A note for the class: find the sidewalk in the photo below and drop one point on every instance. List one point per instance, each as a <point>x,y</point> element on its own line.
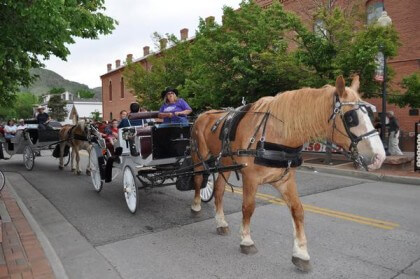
<point>341,166</point>
<point>21,254</point>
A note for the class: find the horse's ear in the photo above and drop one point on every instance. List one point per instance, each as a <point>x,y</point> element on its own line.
<point>355,84</point>
<point>340,86</point>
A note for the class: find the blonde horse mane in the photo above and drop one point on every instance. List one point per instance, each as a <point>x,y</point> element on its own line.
<point>304,113</point>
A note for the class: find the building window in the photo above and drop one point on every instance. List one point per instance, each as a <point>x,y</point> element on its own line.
<point>110,116</point>
<point>110,90</point>
<point>374,10</point>
<point>122,88</point>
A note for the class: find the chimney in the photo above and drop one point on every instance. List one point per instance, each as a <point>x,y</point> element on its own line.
<point>146,50</point>
<point>163,42</point>
<point>129,58</point>
<point>117,63</point>
<point>109,67</point>
<point>209,20</point>
<point>184,34</point>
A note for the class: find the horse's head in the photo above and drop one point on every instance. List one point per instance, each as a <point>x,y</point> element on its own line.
<point>352,128</point>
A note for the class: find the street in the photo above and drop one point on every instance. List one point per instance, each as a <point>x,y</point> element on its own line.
<point>355,228</point>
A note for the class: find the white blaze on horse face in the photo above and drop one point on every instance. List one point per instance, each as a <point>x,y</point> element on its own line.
<point>370,148</point>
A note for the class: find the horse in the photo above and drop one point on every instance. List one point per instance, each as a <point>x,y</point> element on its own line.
<point>294,117</point>
<point>77,137</point>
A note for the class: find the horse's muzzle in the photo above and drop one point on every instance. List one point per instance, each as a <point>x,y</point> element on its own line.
<point>376,161</point>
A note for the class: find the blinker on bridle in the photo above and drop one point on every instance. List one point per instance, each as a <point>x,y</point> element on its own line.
<point>350,120</point>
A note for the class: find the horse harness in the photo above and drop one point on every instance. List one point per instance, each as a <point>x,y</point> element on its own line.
<point>266,153</point>
<point>350,120</point>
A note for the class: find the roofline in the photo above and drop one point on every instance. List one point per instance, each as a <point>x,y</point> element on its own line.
<point>141,59</point>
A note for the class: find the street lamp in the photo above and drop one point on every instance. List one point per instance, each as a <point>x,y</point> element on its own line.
<point>384,20</point>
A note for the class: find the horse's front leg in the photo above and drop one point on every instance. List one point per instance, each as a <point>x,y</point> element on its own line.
<point>248,206</point>
<point>78,169</point>
<point>219,188</point>
<point>73,155</point>
<point>61,164</point>
<point>288,190</point>
<point>88,170</point>
<point>196,205</point>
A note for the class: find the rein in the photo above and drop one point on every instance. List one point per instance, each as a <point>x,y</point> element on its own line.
<point>350,120</point>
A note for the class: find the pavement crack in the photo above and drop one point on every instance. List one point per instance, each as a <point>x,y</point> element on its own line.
<point>404,269</point>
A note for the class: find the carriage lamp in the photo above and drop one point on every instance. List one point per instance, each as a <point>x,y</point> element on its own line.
<point>384,20</point>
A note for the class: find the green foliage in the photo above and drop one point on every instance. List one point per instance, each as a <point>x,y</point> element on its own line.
<point>259,52</point>
<point>411,97</point>
<point>85,94</point>
<point>96,115</point>
<point>57,108</point>
<point>57,90</point>
<point>34,30</point>
<point>22,107</point>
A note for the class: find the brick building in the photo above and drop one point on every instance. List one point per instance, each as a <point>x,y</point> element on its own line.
<point>404,14</point>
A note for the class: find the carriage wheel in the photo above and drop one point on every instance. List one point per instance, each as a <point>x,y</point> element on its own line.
<point>68,159</point>
<point>207,192</point>
<point>28,157</point>
<point>131,193</point>
<point>2,180</point>
<point>95,173</point>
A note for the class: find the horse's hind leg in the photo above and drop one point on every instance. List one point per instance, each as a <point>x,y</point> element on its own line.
<point>248,207</point>
<point>78,169</point>
<point>288,190</point>
<point>88,170</point>
<point>73,155</point>
<point>219,190</point>
<point>61,164</point>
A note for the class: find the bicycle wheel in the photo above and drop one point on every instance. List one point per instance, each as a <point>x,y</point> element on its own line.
<point>2,180</point>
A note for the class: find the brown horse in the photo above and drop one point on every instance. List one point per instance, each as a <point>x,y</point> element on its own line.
<point>295,117</point>
<point>76,137</point>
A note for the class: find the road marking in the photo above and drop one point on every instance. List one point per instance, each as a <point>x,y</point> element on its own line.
<point>327,212</point>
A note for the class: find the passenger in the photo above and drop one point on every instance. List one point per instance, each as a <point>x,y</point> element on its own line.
<point>42,118</point>
<point>134,108</point>
<point>21,125</point>
<point>174,109</point>
<point>10,129</point>
<point>123,115</point>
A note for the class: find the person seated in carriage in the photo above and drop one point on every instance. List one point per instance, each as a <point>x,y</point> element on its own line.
<point>173,109</point>
<point>42,118</point>
<point>10,129</point>
<point>21,125</point>
<point>125,122</point>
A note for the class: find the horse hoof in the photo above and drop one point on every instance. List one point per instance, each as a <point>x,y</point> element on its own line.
<point>88,172</point>
<point>73,170</point>
<point>223,231</point>
<point>249,250</point>
<point>60,167</point>
<point>195,213</point>
<point>78,172</point>
<point>302,265</point>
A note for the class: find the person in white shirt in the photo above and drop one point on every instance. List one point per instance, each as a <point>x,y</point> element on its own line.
<point>10,129</point>
<point>21,125</point>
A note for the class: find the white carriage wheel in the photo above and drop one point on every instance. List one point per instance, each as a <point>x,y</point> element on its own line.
<point>130,189</point>
<point>95,172</point>
<point>28,157</point>
<point>207,192</point>
<point>2,180</point>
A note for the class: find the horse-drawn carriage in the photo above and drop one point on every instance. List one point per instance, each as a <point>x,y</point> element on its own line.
<point>156,154</point>
<point>31,141</point>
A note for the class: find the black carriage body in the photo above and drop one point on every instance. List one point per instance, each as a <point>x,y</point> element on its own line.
<point>170,140</point>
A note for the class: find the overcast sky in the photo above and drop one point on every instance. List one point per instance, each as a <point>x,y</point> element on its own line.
<point>138,19</point>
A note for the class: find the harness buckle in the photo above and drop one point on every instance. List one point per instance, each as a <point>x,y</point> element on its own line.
<point>262,139</point>
<point>252,140</point>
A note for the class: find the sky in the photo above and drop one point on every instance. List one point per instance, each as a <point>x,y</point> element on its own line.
<point>138,20</point>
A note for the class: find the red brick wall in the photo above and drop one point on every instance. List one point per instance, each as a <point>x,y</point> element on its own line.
<point>117,104</point>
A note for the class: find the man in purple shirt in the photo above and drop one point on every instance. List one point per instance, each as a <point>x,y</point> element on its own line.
<point>174,109</point>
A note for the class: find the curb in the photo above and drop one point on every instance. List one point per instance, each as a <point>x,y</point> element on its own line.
<point>363,174</point>
<point>49,251</point>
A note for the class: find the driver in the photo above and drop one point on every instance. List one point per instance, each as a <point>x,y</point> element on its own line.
<point>174,109</point>
<point>42,118</point>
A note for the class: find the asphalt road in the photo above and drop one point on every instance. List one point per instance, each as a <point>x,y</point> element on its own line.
<point>355,228</point>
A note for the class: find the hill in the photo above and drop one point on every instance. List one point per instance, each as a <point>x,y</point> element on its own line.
<point>49,79</point>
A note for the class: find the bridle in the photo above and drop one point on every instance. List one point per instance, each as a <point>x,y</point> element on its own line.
<point>350,120</point>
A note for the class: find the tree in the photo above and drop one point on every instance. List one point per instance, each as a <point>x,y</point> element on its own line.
<point>57,107</point>
<point>85,94</point>
<point>411,97</point>
<point>57,90</point>
<point>34,30</point>
<point>21,108</point>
